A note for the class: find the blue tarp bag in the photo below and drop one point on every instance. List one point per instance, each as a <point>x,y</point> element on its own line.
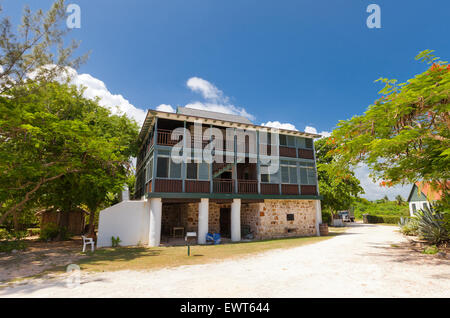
<point>209,237</point>
<point>216,238</point>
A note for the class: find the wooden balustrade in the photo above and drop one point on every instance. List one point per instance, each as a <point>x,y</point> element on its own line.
<point>164,138</point>
<point>287,152</point>
<point>223,186</point>
<point>291,189</point>
<point>305,154</point>
<point>308,190</point>
<point>168,185</point>
<point>270,188</point>
<point>247,186</point>
<point>196,186</point>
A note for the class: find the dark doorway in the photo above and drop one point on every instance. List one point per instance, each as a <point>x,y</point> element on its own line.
<point>225,222</point>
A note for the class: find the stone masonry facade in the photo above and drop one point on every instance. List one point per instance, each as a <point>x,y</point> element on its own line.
<point>271,219</point>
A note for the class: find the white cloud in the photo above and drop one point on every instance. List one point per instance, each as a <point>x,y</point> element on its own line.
<point>215,100</point>
<point>165,108</point>
<point>313,130</point>
<point>277,124</point>
<point>374,191</point>
<point>114,102</point>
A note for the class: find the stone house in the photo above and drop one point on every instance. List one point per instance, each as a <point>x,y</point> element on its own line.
<point>207,172</point>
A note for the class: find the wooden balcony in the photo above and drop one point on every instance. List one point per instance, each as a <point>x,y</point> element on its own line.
<point>308,189</point>
<point>164,138</point>
<point>247,186</point>
<point>270,188</point>
<point>288,152</point>
<point>196,186</point>
<point>223,186</point>
<point>290,189</point>
<point>168,185</point>
<point>305,154</point>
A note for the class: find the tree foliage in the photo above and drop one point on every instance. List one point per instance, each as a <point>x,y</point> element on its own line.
<point>59,148</point>
<point>337,182</point>
<point>36,48</point>
<point>404,136</point>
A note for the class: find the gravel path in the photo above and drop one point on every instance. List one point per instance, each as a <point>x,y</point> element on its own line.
<point>366,261</point>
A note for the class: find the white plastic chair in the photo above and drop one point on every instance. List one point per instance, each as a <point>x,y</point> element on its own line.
<point>86,241</point>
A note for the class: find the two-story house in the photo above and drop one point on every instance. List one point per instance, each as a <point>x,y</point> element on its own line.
<point>207,172</point>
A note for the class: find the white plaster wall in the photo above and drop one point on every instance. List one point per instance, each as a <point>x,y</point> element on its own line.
<point>129,220</point>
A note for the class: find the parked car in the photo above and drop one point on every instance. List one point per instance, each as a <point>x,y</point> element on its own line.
<point>347,215</point>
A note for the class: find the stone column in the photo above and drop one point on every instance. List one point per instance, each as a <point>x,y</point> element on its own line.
<point>318,216</point>
<point>154,235</point>
<point>236,220</point>
<point>203,208</point>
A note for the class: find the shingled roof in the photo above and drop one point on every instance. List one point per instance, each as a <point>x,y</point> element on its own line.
<point>212,115</point>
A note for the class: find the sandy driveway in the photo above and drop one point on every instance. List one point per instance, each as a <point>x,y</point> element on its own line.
<point>367,261</point>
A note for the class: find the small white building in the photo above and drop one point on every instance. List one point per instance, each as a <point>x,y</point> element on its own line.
<point>421,197</point>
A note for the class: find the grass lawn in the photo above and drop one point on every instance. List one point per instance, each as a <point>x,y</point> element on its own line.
<point>144,258</point>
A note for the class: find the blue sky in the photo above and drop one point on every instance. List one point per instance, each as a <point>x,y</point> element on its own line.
<point>306,63</point>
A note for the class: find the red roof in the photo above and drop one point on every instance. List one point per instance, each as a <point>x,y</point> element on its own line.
<point>429,192</point>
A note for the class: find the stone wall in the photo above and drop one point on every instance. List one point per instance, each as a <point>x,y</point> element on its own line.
<point>273,221</point>
<point>266,220</point>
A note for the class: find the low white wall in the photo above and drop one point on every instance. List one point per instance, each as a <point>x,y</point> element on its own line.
<point>129,220</point>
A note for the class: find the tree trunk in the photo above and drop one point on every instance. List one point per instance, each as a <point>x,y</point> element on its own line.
<point>91,228</point>
<point>16,220</point>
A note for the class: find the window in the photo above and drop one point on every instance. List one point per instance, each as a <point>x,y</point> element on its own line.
<point>149,168</point>
<point>413,205</point>
<point>166,168</point>
<point>197,171</point>
<point>307,173</point>
<point>268,178</point>
<point>283,140</point>
<point>191,170</point>
<point>304,143</point>
<point>162,169</point>
<point>290,217</point>
<point>288,172</point>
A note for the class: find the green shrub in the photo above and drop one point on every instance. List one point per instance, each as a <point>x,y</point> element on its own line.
<point>326,217</point>
<point>34,231</point>
<point>390,219</point>
<point>430,250</point>
<point>432,227</point>
<point>49,232</point>
<point>115,241</point>
<point>409,226</point>
<point>12,241</point>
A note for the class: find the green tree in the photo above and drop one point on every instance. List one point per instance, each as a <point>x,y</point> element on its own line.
<point>404,136</point>
<point>58,148</point>
<point>337,182</point>
<point>31,48</point>
<point>399,199</point>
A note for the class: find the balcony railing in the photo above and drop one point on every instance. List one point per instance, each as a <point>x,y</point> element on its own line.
<point>288,152</point>
<point>308,190</point>
<point>164,138</point>
<point>247,186</point>
<point>291,189</point>
<point>223,185</point>
<point>270,188</point>
<point>168,185</point>
<point>195,186</point>
<point>305,154</point>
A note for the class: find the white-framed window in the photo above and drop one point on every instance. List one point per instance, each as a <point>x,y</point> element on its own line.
<point>167,169</point>
<point>288,172</point>
<point>149,172</point>
<point>307,173</point>
<point>414,208</point>
<point>269,178</point>
<point>197,171</point>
